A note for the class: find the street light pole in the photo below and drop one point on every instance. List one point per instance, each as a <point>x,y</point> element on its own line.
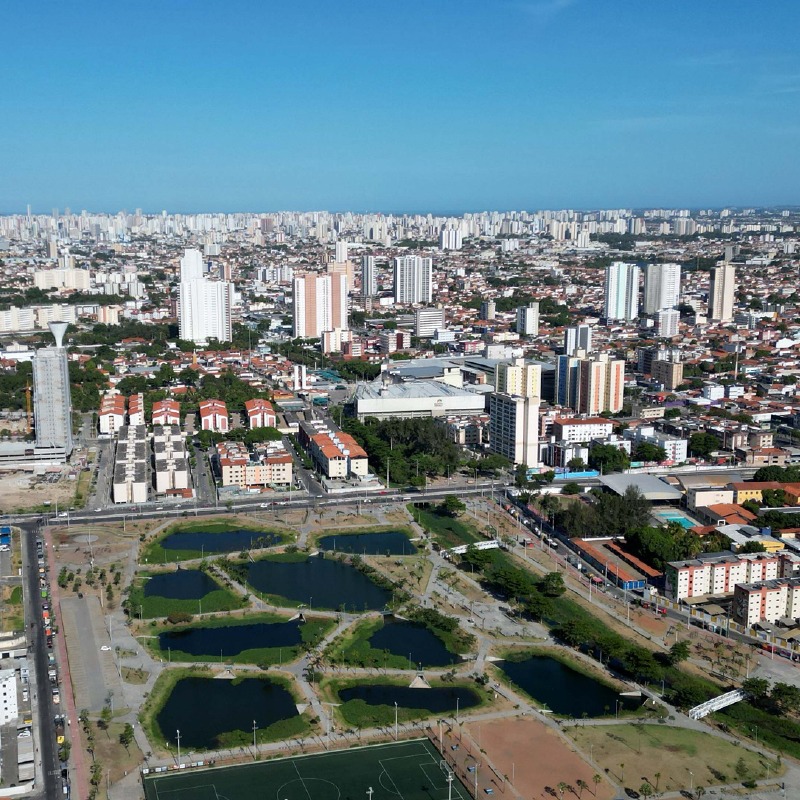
<point>395,721</point>
<point>254,734</point>
<point>178,737</point>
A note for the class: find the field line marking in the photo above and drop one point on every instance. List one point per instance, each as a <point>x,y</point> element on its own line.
<point>396,790</point>
<point>301,779</point>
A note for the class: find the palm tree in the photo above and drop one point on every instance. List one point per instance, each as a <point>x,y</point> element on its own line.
<point>561,787</point>
<point>657,776</point>
<point>596,778</point>
<point>581,784</point>
<point>622,771</point>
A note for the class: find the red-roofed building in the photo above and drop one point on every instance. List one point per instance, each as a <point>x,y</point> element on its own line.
<point>214,416</point>
<point>112,414</point>
<point>260,414</point>
<point>166,412</point>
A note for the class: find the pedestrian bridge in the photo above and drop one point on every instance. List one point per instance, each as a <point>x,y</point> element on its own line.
<point>718,703</point>
<point>489,544</point>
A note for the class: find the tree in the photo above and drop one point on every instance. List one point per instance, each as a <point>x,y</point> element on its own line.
<point>576,465</point>
<point>581,784</point>
<point>596,779</point>
<point>562,787</point>
<point>126,736</point>
<point>757,688</point>
<point>703,444</point>
<point>552,585</point>
<point>538,606</point>
<point>646,790</point>
<point>752,547</point>
<point>608,458</point>
<point>452,506</point>
<point>105,718</point>
<point>571,488</point>
<point>679,651</point>
<point>645,451</point>
<point>786,697</point>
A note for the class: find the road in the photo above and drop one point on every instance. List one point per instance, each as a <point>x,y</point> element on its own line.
<point>44,708</point>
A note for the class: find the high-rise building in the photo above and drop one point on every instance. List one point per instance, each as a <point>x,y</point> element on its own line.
<point>528,320</point>
<point>668,373</point>
<point>662,287</point>
<point>413,279</point>
<point>622,291</point>
<point>721,293</point>
<point>667,322</point>
<point>514,427</point>
<point>320,304</point>
<point>601,382</point>
<point>204,306</point>
<point>567,380</point>
<point>488,310</point>
<point>450,239</point>
<point>577,338</point>
<point>519,378</point>
<point>369,283</point>
<point>341,251</point>
<point>52,402</point>
<point>427,321</point>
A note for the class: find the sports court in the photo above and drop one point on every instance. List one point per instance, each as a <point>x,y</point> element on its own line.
<point>403,771</point>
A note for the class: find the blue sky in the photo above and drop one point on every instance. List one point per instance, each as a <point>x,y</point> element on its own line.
<point>374,105</point>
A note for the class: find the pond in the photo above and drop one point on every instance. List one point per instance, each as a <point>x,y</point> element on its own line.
<point>437,700</point>
<point>377,543</point>
<point>562,689</point>
<point>230,640</point>
<point>318,582</point>
<point>413,641</point>
<point>226,706</point>
<point>223,542</point>
<point>183,584</point>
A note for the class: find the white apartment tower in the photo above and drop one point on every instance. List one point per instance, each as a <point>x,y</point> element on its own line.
<point>662,287</point>
<point>514,427</point>
<point>413,279</point>
<point>369,283</point>
<point>52,402</point>
<point>528,320</point>
<point>622,291</point>
<point>721,293</point>
<point>204,306</point>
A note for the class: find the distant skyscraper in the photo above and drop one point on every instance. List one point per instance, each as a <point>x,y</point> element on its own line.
<point>341,251</point>
<point>204,307</point>
<point>578,338</point>
<point>662,287</point>
<point>369,284</point>
<point>667,322</point>
<point>721,293</point>
<point>450,239</point>
<point>622,291</point>
<point>528,320</point>
<point>413,279</point>
<point>514,427</point>
<point>52,403</point>
<point>320,304</point>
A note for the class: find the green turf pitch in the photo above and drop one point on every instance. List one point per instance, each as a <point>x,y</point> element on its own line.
<point>403,771</point>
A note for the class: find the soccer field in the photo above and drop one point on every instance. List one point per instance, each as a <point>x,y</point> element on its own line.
<point>403,771</point>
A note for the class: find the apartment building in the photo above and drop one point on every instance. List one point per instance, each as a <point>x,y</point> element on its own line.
<point>166,412</point>
<point>136,409</point>
<point>581,430</point>
<point>260,413</point>
<point>718,573</point>
<point>266,465</point>
<point>129,484</point>
<point>170,461</point>
<point>214,416</point>
<point>112,414</point>
<point>766,601</point>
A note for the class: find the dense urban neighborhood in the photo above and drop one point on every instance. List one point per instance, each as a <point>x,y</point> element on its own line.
<point>543,465</point>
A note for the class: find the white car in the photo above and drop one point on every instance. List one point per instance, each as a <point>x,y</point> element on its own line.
<point>265,505</point>
<point>105,648</point>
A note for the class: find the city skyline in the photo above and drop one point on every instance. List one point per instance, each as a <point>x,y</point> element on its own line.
<point>547,103</point>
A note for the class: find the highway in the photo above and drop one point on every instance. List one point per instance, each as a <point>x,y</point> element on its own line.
<point>38,651</point>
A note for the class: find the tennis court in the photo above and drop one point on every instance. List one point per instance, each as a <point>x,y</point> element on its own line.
<point>403,771</point>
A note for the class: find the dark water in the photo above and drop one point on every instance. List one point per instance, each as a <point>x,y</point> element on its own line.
<point>564,690</point>
<point>203,708</point>
<point>227,542</point>
<point>184,584</point>
<point>403,638</point>
<point>231,640</point>
<point>387,543</point>
<point>319,582</point>
<point>437,700</point>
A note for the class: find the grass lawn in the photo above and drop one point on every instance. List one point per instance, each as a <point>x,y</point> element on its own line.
<point>447,531</point>
<point>311,632</point>
<point>410,768</point>
<point>153,553</point>
<point>135,676</point>
<point>632,753</point>
<point>152,606</point>
<point>13,615</point>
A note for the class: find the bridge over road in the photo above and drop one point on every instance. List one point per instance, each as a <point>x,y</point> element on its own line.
<point>717,704</point>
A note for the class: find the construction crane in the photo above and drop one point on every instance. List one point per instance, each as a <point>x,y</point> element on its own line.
<point>28,407</point>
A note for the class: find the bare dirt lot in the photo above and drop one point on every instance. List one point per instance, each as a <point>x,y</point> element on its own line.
<point>21,491</point>
<point>534,758</point>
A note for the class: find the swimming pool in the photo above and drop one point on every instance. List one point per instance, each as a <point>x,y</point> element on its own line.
<point>675,516</point>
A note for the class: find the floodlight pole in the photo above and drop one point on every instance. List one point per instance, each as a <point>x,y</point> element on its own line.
<point>254,734</point>
<point>449,786</point>
<point>395,721</point>
<point>178,737</point>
